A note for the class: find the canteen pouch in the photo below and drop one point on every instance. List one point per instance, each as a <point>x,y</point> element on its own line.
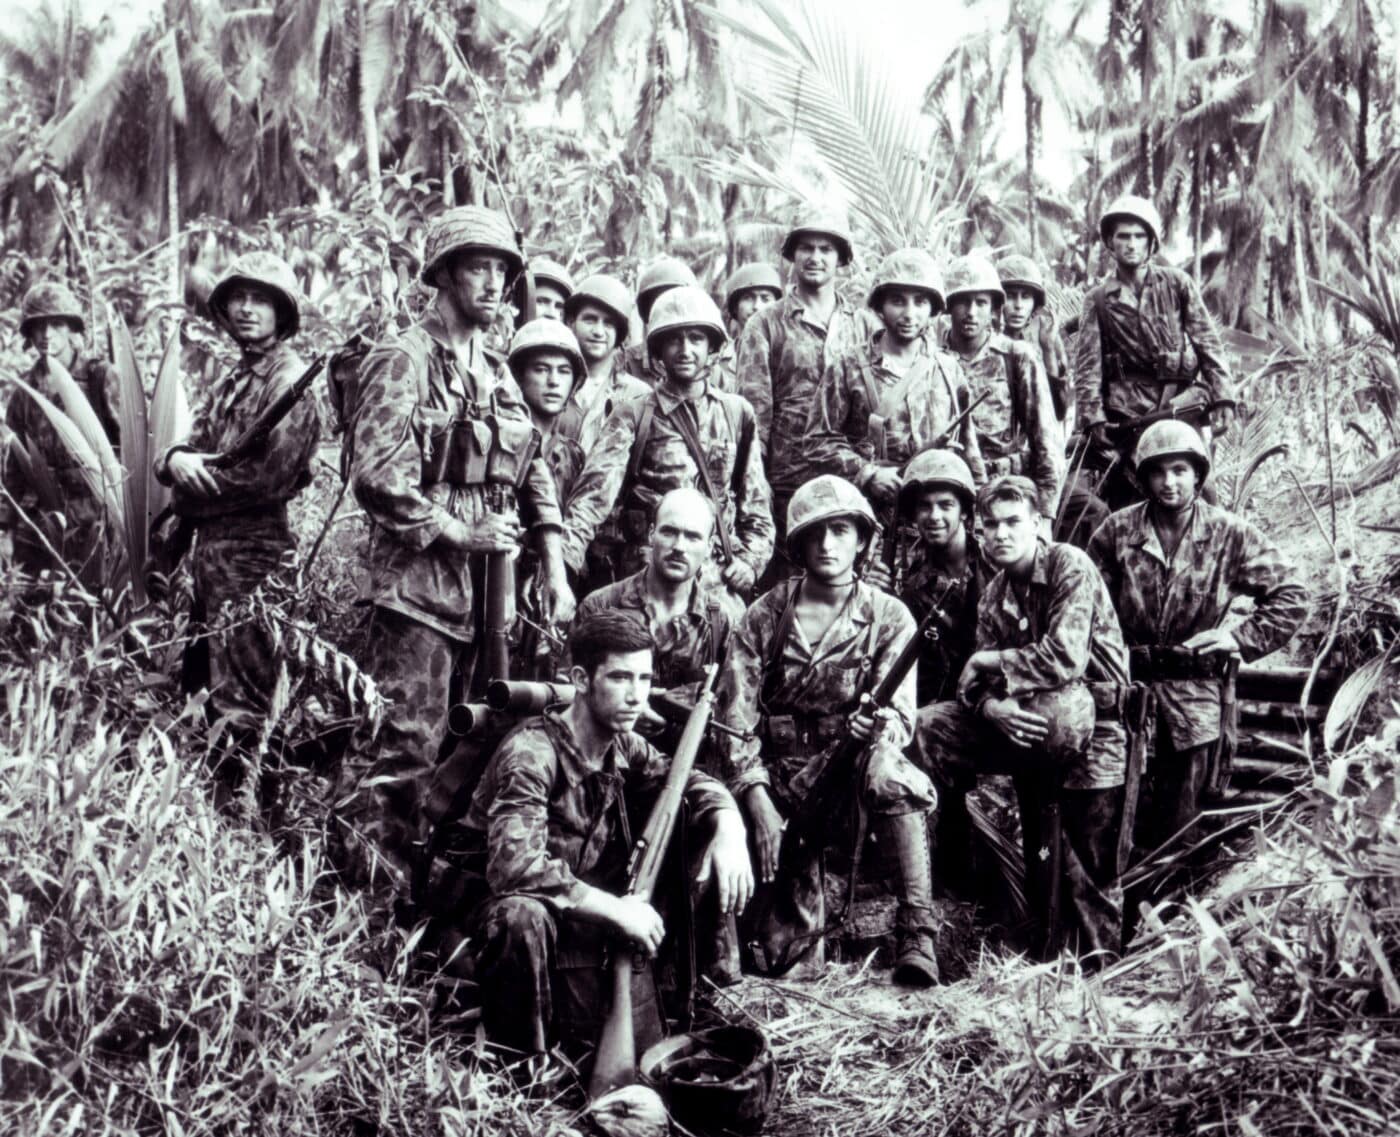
<point>512,445</point>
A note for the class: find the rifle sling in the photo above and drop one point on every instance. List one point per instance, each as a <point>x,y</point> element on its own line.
<point>686,429</point>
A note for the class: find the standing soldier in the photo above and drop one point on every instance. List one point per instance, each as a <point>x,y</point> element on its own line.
<point>553,287</point>
<point>1041,699</point>
<point>1025,317</point>
<point>896,393</point>
<point>1173,565</point>
<point>783,351</point>
<point>1016,425</point>
<point>805,653</point>
<point>658,278</point>
<point>749,289</point>
<point>239,510</point>
<point>40,473</point>
<point>444,464</point>
<point>685,433</point>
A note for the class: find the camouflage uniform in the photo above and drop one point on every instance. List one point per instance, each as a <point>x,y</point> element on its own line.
<point>794,699</point>
<point>1041,335</point>
<point>595,401</point>
<point>635,359</point>
<point>547,824</point>
<point>724,371</point>
<point>923,583</point>
<point>1221,556</point>
<point>1064,632</point>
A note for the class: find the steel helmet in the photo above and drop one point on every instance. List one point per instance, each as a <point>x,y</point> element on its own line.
<point>717,1081</point>
<point>973,273</point>
<point>1070,712</point>
<point>820,499</point>
<point>547,271</point>
<point>468,227</point>
<point>941,469</point>
<point>748,277</point>
<point>1131,207</point>
<point>661,274</point>
<point>1172,438</point>
<point>908,268</point>
<point>544,334</point>
<point>49,300</point>
<point>605,292</point>
<point>267,271</point>
<point>685,307</point>
<point>823,225</point>
<point>1017,269</point>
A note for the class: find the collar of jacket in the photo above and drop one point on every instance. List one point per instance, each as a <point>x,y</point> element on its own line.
<point>574,765</point>
<point>1114,284</point>
<point>265,364</point>
<point>668,400</point>
<point>633,594</point>
<point>1143,533</point>
<point>1039,578</point>
<point>794,309</point>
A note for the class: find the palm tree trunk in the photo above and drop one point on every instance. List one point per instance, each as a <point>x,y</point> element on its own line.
<point>1033,109</point>
<point>369,123</point>
<point>172,207</point>
<point>1363,155</point>
<point>445,165</point>
<point>1198,173</point>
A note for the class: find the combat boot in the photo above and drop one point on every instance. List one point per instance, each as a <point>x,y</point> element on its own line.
<point>906,837</point>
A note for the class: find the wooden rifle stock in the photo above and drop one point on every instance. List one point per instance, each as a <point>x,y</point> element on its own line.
<point>280,407</point>
<point>615,1063</point>
<point>948,432</point>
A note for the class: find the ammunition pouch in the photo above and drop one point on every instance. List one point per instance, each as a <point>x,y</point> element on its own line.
<point>789,736</point>
<point>515,442</point>
<point>475,451</point>
<point>1155,663</point>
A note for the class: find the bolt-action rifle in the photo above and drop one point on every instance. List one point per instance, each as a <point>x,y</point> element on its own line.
<point>256,435</point>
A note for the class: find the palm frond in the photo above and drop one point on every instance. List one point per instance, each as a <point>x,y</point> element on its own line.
<point>136,454</point>
<point>73,437</point>
<point>169,418</point>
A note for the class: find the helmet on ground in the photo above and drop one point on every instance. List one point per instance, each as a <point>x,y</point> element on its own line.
<point>1024,272</point>
<point>748,277</point>
<point>468,227</point>
<point>660,275</point>
<point>544,334</point>
<point>973,273</point>
<point>267,271</point>
<point>820,499</point>
<point>49,300</point>
<point>1130,207</point>
<point>547,271</point>
<point>936,469</point>
<point>1070,712</point>
<point>717,1081</point>
<point>605,292</point>
<point>908,268</point>
<point>819,225</point>
<point>685,307</point>
<point>1172,438</point>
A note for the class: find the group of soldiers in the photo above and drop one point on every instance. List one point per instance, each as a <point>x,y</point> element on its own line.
<point>787,488</point>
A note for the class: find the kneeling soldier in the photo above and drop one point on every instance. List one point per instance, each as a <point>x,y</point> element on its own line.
<point>1049,677</point>
<point>804,655</point>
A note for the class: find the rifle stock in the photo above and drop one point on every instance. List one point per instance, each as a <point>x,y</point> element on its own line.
<point>265,423</point>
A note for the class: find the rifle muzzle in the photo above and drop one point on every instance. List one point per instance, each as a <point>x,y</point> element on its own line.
<point>467,718</point>
<point>521,697</point>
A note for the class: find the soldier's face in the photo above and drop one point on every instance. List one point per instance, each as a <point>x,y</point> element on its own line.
<point>595,331</point>
<point>617,689</point>
<point>815,259</point>
<point>549,301</point>
<point>830,549</point>
<point>684,353</point>
<point>906,312</point>
<point>546,380</point>
<point>58,340</point>
<point>1019,307</point>
<point>1009,530</point>
<point>680,542</point>
<point>752,301</point>
<point>475,284</point>
<point>252,314</point>
<point>1131,243</point>
<point>938,514</point>
<point>972,313</point>
<point>1172,482</point>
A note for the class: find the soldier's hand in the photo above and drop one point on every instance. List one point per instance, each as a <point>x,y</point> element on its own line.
<point>877,574</point>
<point>556,598</point>
<point>867,723</point>
<point>188,472</point>
<point>1212,641</point>
<point>727,862</point>
<point>493,533</point>
<point>639,922</point>
<point>1024,728</point>
<point>979,663</point>
<point>766,824</point>
<point>1222,418</point>
<point>883,486</point>
<point>738,576</point>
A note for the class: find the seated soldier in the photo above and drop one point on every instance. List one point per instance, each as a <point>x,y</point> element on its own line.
<point>552,821</point>
<point>803,656</point>
<point>1048,677</point>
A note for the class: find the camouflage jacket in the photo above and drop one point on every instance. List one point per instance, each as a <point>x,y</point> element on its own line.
<point>781,358</point>
<point>1061,630</point>
<point>817,685</point>
<point>555,822</point>
<point>562,452</point>
<point>1044,338</point>
<point>1221,556</point>
<point>411,392</point>
<point>1016,426</point>
<point>950,640</point>
<point>1164,339</point>
<point>724,370</point>
<point>266,480</point>
<point>665,463</point>
<point>867,416</point>
<point>635,360</point>
<point>595,401</point>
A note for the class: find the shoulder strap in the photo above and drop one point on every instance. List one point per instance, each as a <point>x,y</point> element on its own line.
<point>697,455</point>
<point>774,658</point>
<point>742,422</point>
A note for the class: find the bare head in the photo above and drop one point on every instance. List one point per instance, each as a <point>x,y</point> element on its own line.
<point>681,534</point>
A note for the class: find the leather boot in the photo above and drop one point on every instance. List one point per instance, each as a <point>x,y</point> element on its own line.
<point>906,836</point>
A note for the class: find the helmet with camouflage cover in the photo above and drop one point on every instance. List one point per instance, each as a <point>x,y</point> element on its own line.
<point>819,225</point>
<point>1024,272</point>
<point>1070,713</point>
<point>268,272</point>
<point>747,278</point>
<point>547,271</point>
<point>936,469</point>
<point>1131,207</point>
<point>468,227</point>
<point>544,334</point>
<point>50,300</point>
<point>661,275</point>
<point>820,499</point>
<point>685,307</point>
<point>908,268</point>
<point>717,1080</point>
<point>605,292</point>
<point>1172,438</point>
<point>971,274</point>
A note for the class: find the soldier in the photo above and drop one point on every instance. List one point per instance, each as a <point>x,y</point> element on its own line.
<point>894,395</point>
<point>805,653</point>
<point>552,823</point>
<point>1016,425</point>
<point>442,465</point>
<point>597,314</point>
<point>783,351</point>
<point>553,287</point>
<point>749,289</point>
<point>1025,317</point>
<point>1173,565</point>
<point>239,510</point>
<point>658,278</point>
<point>40,473</point>
<point>548,367</point>
<point>1041,699</point>
<point>685,433</point>
<point>1146,346</point>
